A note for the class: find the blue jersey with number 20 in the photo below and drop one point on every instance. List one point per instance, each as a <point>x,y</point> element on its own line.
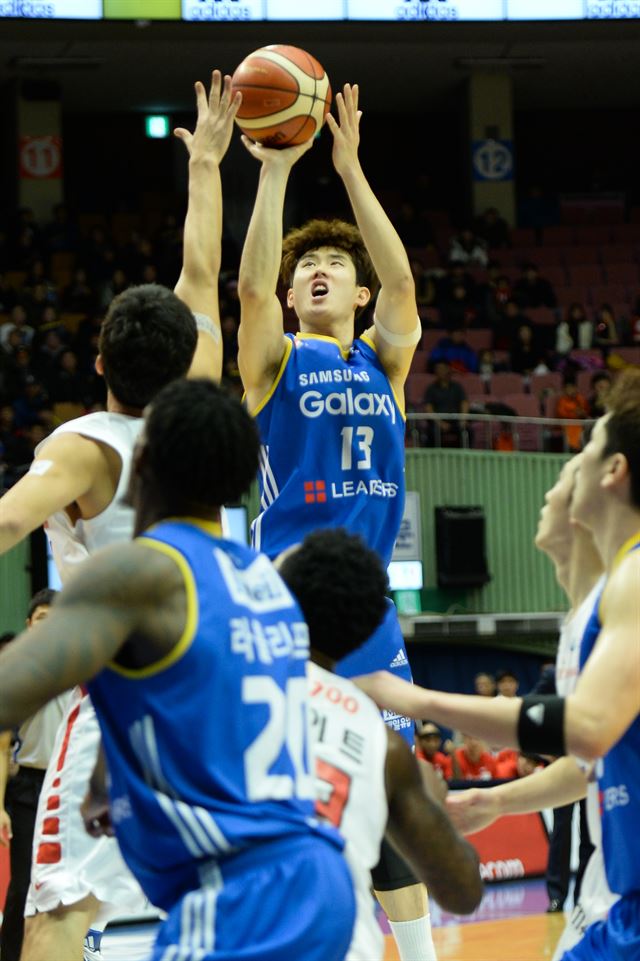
<point>207,748</point>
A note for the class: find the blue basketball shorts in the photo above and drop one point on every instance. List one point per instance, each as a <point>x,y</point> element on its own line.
<point>616,939</point>
<point>384,651</point>
<point>292,898</point>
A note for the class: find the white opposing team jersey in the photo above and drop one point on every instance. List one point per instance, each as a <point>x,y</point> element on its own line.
<point>595,895</point>
<point>73,543</point>
<point>350,744</point>
<point>568,656</point>
<point>37,735</point>
<point>80,864</point>
<point>567,670</point>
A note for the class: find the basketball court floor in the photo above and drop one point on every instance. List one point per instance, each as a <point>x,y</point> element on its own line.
<point>509,925</point>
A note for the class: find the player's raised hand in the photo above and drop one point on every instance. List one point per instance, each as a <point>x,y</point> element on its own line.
<point>472,810</point>
<point>214,125</point>
<point>345,130</point>
<point>283,157</point>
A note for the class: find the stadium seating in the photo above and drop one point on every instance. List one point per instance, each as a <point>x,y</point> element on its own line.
<point>419,362</point>
<point>415,388</point>
<point>506,382</point>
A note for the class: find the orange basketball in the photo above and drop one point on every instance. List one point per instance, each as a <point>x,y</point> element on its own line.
<point>286,95</point>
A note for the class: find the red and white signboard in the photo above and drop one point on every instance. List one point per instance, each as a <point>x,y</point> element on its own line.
<point>41,157</point>
<point>512,847</point>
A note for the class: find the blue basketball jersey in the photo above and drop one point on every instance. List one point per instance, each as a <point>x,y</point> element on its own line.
<point>332,447</point>
<point>385,650</point>
<point>618,776</point>
<point>207,748</point>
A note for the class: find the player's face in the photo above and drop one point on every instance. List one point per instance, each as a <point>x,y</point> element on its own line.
<point>587,496</point>
<point>325,288</point>
<point>554,522</point>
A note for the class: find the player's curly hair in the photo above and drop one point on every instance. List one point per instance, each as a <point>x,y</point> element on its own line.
<point>328,233</point>
<point>623,425</point>
<point>340,585</point>
<point>148,339</point>
<point>202,445</point>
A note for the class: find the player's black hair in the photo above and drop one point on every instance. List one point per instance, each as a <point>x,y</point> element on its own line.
<point>202,444</point>
<point>623,426</point>
<point>148,339</point>
<point>329,233</point>
<point>6,638</point>
<point>341,585</point>
<point>43,598</point>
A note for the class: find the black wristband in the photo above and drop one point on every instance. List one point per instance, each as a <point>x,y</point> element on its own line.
<point>541,724</point>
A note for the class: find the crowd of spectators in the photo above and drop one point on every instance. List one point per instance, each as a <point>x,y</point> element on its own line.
<point>485,311</point>
<point>458,756</point>
<point>452,298</point>
<point>56,282</point>
<point>471,759</point>
<point>462,278</point>
<point>461,757</point>
<point>58,278</point>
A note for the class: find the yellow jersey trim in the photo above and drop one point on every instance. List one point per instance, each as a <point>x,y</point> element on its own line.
<point>191,623</point>
<point>331,340</point>
<point>371,344</point>
<point>626,548</point>
<point>283,363</point>
<point>622,552</point>
<point>213,528</point>
<point>401,407</point>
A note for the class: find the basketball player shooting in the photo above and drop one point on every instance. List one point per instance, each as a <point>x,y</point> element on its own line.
<point>330,407</point>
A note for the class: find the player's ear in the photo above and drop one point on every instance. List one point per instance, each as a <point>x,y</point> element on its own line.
<point>99,365</point>
<point>616,471</point>
<point>290,297</point>
<point>363,296</point>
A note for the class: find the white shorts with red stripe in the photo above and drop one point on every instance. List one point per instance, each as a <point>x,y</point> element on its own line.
<point>68,864</point>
